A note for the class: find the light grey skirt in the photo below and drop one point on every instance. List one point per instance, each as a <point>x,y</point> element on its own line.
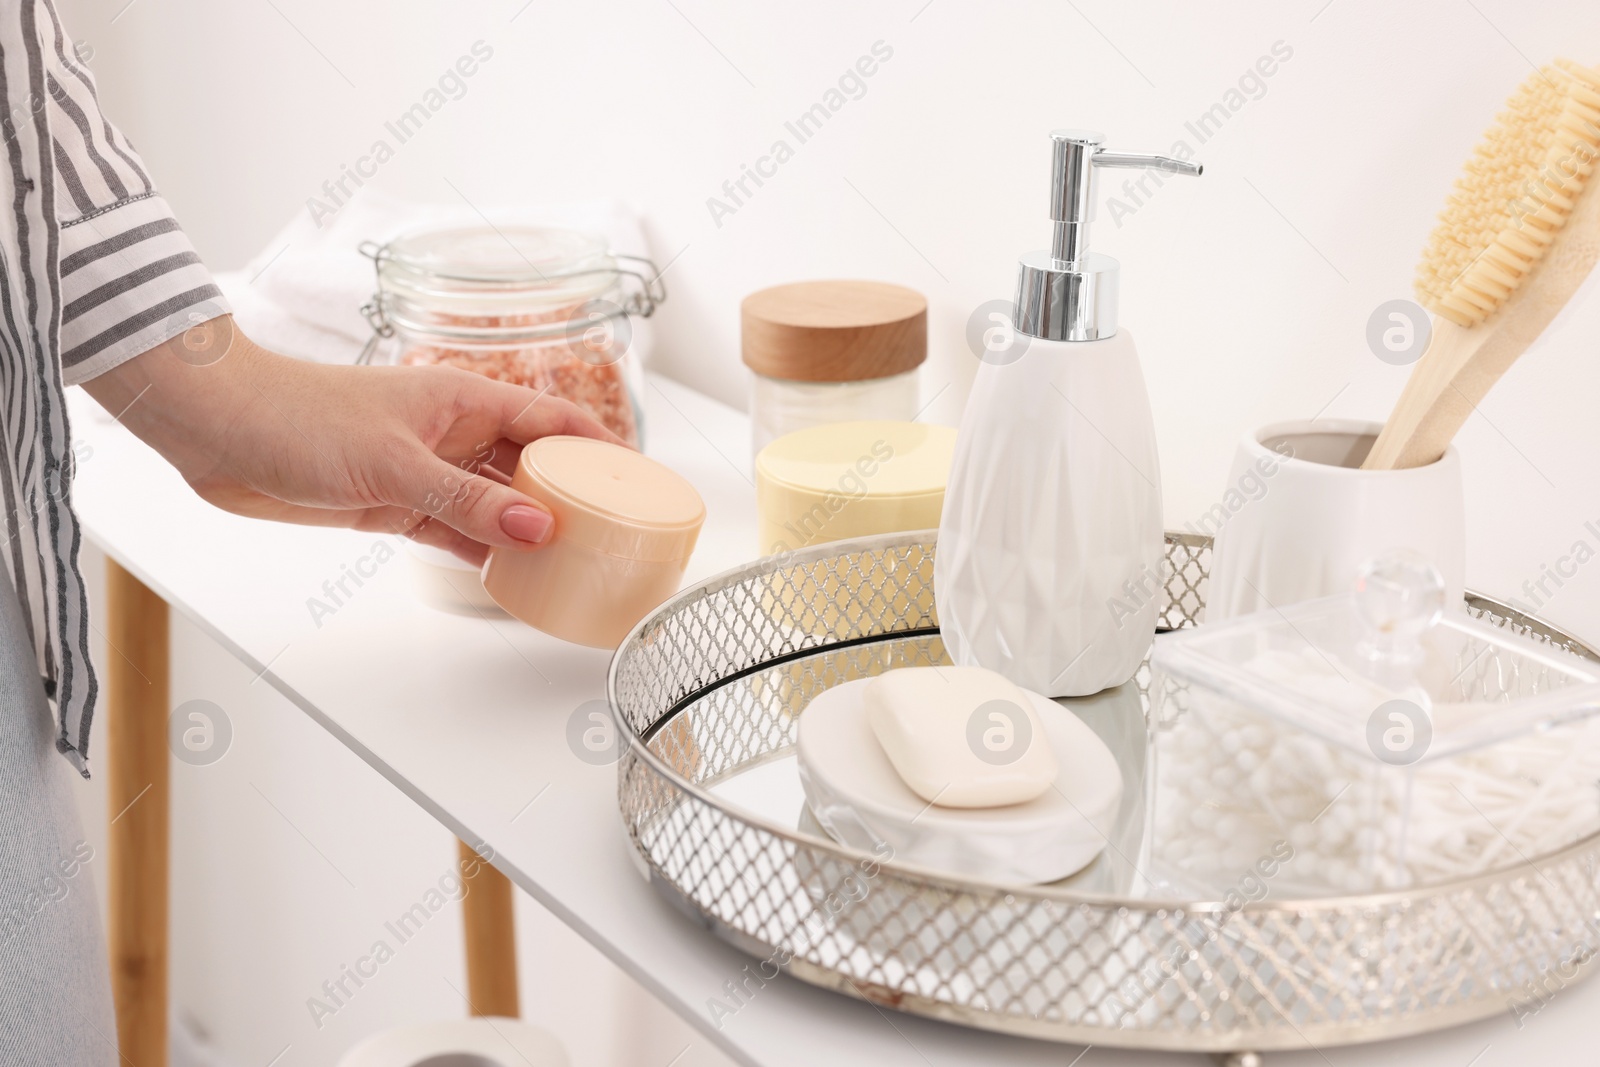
<point>55,988</point>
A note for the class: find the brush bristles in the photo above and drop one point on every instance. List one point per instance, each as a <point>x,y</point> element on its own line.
<point>1518,189</point>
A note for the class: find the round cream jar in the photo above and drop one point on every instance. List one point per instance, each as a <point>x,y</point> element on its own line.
<point>624,529</point>
<point>851,479</point>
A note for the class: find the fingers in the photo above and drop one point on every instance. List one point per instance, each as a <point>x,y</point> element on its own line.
<point>480,508</point>
<point>385,519</point>
<point>493,472</point>
<point>436,534</point>
<point>397,522</point>
<point>497,463</point>
<point>525,415</point>
<point>503,459</point>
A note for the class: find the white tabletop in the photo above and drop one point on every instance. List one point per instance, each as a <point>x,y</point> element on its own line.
<point>469,718</point>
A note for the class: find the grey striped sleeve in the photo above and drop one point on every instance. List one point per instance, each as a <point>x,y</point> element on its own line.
<point>130,279</point>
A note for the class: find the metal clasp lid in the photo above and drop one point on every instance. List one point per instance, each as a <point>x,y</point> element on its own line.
<point>640,299</point>
<point>1067,293</point>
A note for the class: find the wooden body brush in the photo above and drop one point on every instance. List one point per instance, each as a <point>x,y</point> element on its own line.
<point>1519,235</point>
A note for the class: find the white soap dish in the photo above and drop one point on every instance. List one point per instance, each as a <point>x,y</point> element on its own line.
<point>856,796</point>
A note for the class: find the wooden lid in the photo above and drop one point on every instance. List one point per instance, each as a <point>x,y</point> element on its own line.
<point>834,331</point>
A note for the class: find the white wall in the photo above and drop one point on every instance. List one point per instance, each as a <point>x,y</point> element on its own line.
<point>1249,289</point>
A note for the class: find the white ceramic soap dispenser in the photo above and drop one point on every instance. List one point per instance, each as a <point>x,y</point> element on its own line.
<point>1049,564</point>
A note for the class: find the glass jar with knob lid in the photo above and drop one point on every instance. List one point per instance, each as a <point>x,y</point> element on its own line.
<point>545,308</point>
<point>550,309</point>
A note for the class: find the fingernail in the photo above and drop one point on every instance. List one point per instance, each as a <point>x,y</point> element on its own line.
<point>526,523</point>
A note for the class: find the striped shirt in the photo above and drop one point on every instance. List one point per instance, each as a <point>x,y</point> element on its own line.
<point>93,271</point>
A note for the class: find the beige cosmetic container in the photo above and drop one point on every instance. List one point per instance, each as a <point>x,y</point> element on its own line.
<point>848,480</point>
<point>851,479</point>
<point>624,529</point>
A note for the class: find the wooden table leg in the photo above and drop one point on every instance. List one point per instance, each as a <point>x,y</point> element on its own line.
<point>136,786</point>
<point>491,937</point>
<point>137,849</point>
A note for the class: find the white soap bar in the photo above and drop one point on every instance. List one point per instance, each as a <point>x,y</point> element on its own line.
<point>961,737</point>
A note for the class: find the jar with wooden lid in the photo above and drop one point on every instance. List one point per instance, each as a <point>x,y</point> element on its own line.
<point>831,351</point>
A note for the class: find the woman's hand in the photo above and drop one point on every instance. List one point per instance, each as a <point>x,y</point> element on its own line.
<point>424,452</point>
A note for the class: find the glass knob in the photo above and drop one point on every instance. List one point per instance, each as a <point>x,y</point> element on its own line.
<point>1399,596</point>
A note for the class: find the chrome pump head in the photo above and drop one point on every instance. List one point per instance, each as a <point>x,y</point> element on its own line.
<point>1068,293</point>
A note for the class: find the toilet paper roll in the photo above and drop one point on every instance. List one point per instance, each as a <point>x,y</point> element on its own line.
<point>486,1042</point>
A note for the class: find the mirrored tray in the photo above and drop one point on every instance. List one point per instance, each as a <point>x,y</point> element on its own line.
<point>709,689</point>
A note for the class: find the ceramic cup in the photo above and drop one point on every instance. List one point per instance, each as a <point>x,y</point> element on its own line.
<point>1299,518</point>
